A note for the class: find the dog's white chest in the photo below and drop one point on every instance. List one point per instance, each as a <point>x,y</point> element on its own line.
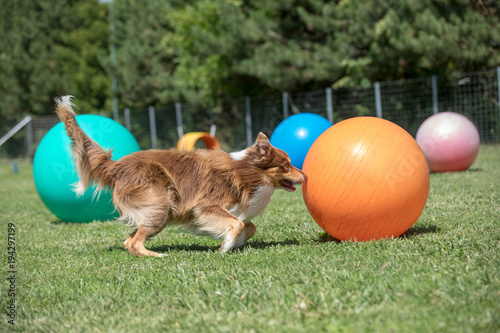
<point>258,203</point>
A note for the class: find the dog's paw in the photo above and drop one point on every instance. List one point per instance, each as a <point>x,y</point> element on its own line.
<point>224,248</point>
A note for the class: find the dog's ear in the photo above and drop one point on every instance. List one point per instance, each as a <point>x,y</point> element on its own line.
<point>261,137</point>
<point>263,145</point>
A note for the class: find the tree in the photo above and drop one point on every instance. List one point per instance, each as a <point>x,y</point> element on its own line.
<point>203,46</point>
<point>51,49</point>
<point>144,66</point>
<point>205,51</point>
<point>311,44</point>
<point>420,38</point>
<point>84,56</point>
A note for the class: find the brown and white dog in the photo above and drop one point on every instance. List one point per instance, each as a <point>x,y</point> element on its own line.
<point>209,191</point>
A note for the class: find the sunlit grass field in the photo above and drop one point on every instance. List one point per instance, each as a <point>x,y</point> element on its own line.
<point>443,275</point>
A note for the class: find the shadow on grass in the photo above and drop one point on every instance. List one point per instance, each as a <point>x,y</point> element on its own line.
<point>168,248</point>
<point>412,232</point>
<point>56,222</point>
<point>323,237</point>
<point>420,230</point>
<point>265,245</point>
<point>326,238</point>
<point>184,248</point>
<point>455,172</point>
<point>209,248</point>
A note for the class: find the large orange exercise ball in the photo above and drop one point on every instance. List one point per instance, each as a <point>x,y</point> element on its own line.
<point>367,179</point>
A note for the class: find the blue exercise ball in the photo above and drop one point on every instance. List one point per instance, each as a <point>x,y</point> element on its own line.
<point>296,134</point>
<point>54,172</point>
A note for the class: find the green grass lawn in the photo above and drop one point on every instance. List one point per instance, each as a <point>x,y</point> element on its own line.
<point>443,275</point>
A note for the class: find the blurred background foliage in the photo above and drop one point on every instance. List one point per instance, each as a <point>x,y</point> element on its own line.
<point>211,51</point>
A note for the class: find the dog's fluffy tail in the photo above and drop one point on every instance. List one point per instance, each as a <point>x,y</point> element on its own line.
<point>92,162</point>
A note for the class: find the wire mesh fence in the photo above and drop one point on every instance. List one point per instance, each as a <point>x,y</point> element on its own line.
<point>407,103</point>
<point>475,95</point>
<point>356,102</point>
<point>267,113</point>
<point>236,123</point>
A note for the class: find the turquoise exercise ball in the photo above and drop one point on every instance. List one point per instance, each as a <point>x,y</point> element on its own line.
<point>54,172</point>
<point>296,134</point>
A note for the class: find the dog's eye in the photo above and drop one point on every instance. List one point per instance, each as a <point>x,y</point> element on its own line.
<point>286,167</point>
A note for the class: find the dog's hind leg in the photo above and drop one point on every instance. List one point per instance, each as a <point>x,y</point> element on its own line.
<point>129,239</point>
<point>136,244</point>
<point>147,218</point>
<point>145,201</point>
<point>148,222</point>
<point>219,223</point>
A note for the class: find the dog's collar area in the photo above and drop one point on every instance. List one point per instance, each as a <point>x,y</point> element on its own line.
<point>238,155</point>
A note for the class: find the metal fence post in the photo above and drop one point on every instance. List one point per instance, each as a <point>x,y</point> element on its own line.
<point>152,126</point>
<point>213,127</point>
<point>126,117</point>
<point>435,108</point>
<point>329,104</point>
<point>285,104</point>
<point>15,129</point>
<point>248,120</point>
<point>29,138</point>
<point>378,100</point>
<point>178,116</point>
<point>498,84</point>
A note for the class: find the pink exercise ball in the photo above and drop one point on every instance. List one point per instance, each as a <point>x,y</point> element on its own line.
<point>450,142</point>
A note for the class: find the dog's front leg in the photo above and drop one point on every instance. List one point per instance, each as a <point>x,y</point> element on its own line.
<point>219,223</point>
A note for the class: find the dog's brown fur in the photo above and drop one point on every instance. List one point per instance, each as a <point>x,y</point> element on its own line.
<point>209,191</point>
